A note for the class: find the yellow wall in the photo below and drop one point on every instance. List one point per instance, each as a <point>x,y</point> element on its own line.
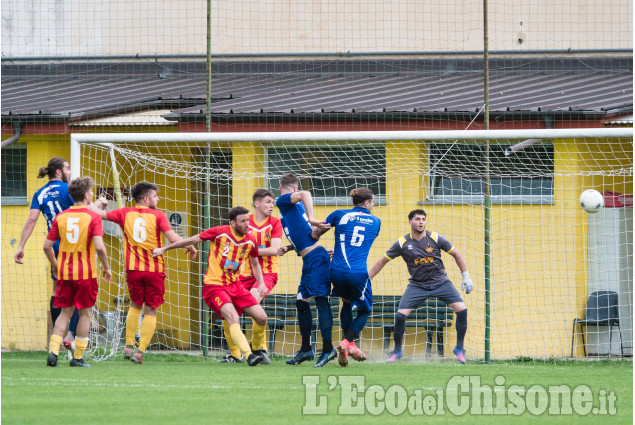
<point>538,251</point>
<point>26,288</point>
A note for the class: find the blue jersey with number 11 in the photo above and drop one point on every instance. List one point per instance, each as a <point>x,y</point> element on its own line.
<point>52,199</point>
<point>355,232</point>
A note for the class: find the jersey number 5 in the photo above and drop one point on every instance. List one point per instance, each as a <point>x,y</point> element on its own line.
<point>139,230</point>
<point>72,229</point>
<point>357,238</point>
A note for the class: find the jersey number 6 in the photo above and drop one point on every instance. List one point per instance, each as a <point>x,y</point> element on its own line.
<point>357,238</point>
<point>139,230</point>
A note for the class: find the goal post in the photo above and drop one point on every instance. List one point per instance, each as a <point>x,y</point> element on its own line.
<point>547,257</point>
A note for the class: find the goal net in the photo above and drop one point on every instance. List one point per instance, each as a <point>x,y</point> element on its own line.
<point>547,257</point>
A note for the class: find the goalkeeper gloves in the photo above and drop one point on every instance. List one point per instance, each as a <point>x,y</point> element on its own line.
<point>467,285</point>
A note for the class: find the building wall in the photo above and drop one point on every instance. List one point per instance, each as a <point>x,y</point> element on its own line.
<point>76,28</point>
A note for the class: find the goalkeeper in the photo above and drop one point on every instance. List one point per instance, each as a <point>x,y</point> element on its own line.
<point>421,250</point>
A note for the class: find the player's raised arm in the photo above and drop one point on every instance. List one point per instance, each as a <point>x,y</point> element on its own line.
<point>98,207</point>
<point>27,230</point>
<point>376,268</point>
<point>307,200</point>
<point>272,251</point>
<point>178,244</point>
<point>173,238</point>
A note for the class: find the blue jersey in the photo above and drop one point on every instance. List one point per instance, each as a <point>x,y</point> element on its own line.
<point>52,199</point>
<point>355,232</point>
<point>295,223</point>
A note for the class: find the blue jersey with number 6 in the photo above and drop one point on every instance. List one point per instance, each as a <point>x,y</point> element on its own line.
<point>52,199</point>
<point>355,232</point>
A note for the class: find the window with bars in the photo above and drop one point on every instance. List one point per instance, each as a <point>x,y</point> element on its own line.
<point>457,174</point>
<point>329,172</point>
<point>13,182</point>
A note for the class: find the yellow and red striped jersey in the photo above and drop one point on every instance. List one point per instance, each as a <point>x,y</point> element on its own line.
<point>75,228</point>
<point>263,233</point>
<point>142,228</point>
<point>227,252</point>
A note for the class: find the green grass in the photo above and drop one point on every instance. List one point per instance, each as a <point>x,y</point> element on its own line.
<point>179,389</point>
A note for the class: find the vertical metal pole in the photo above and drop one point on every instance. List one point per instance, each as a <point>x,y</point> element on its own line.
<point>206,186</point>
<point>487,200</point>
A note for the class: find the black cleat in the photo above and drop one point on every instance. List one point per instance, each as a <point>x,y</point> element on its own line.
<point>51,360</point>
<point>301,356</point>
<point>78,363</point>
<point>254,359</point>
<point>265,356</point>
<point>325,358</point>
<point>231,359</point>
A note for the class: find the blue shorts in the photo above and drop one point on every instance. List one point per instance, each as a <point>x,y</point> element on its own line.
<point>353,286</point>
<point>316,279</point>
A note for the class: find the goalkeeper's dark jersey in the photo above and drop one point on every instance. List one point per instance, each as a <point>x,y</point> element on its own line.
<point>423,258</point>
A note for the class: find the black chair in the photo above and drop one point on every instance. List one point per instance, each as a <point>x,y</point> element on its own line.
<point>602,309</point>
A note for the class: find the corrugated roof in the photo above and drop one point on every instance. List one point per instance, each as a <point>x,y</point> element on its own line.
<point>440,86</point>
<point>150,118</point>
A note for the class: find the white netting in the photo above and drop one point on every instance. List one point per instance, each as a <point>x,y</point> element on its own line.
<point>547,255</point>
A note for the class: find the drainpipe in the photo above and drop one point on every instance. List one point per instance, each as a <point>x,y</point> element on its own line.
<point>11,140</point>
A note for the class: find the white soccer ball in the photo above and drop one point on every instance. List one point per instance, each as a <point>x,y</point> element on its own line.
<point>591,201</point>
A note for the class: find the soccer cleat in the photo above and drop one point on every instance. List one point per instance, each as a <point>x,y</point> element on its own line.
<point>460,354</point>
<point>231,359</point>
<point>70,347</point>
<point>394,356</point>
<point>137,357</point>
<point>301,356</point>
<point>265,356</point>
<point>325,358</point>
<point>51,360</point>
<point>78,363</point>
<point>254,359</point>
<point>342,349</point>
<point>356,353</point>
<point>128,351</point>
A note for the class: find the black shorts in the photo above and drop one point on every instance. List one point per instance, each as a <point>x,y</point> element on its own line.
<point>415,295</point>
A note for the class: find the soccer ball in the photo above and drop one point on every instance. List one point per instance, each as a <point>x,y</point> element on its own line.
<point>591,201</point>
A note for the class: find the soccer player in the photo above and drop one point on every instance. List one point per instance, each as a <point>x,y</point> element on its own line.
<point>421,251</point>
<point>50,200</point>
<point>355,232</point>
<point>267,231</point>
<point>296,212</point>
<point>230,246</point>
<point>79,232</point>
<point>142,226</point>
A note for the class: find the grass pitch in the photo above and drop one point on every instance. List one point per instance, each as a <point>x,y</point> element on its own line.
<point>179,389</point>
